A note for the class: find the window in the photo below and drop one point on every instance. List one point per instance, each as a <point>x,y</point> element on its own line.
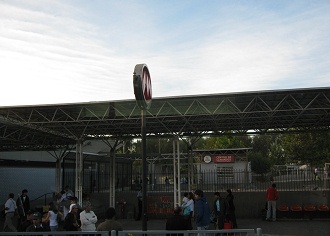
<point>225,171</point>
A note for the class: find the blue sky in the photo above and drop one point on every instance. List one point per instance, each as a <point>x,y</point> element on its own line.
<point>67,51</point>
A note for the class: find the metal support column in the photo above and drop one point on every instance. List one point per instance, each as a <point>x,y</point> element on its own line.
<point>174,176</point>
<point>112,180</point>
<point>178,170</point>
<point>79,172</point>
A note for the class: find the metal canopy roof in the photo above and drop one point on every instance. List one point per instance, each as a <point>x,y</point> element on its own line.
<point>50,127</point>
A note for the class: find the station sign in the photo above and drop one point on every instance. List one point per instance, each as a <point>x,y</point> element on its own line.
<point>223,158</point>
<point>142,86</point>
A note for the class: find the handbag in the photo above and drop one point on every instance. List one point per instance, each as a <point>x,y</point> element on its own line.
<point>213,218</point>
<point>186,211</point>
<point>227,224</point>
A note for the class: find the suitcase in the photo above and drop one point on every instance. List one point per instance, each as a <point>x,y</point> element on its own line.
<point>227,225</point>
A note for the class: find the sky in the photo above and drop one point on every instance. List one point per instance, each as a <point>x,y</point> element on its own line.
<point>74,51</point>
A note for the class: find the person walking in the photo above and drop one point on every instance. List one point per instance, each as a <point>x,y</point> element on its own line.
<point>10,209</point>
<point>230,208</point>
<point>219,210</point>
<point>88,218</point>
<point>203,211</point>
<point>272,197</point>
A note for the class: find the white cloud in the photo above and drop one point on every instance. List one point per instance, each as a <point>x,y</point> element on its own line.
<point>62,51</point>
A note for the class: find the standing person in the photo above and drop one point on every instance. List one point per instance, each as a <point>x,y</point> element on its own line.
<point>110,223</point>
<point>23,204</point>
<point>272,196</point>
<point>203,211</point>
<point>88,218</point>
<point>74,201</point>
<point>139,199</point>
<point>68,191</point>
<point>70,221</point>
<point>230,208</point>
<point>185,198</point>
<point>219,209</point>
<point>37,225</point>
<point>10,209</point>
<point>53,217</point>
<point>177,222</point>
<point>188,208</point>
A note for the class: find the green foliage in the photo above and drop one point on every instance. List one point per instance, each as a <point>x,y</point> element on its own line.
<point>307,148</point>
<point>223,142</point>
<point>260,164</point>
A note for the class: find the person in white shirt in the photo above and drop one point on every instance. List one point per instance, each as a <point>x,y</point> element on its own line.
<point>88,218</point>
<point>10,208</point>
<point>53,217</point>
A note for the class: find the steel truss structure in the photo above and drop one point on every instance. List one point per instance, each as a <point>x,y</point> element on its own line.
<point>59,126</point>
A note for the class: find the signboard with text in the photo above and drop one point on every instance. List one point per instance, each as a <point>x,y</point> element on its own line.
<point>223,158</point>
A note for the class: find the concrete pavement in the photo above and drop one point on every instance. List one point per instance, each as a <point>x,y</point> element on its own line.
<point>282,227</point>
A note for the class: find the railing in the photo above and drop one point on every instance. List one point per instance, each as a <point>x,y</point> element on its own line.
<point>71,233</point>
<point>234,232</point>
<point>43,196</point>
<point>209,181</point>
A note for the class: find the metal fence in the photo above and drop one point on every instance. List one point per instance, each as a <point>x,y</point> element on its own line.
<point>232,232</point>
<point>71,233</point>
<point>211,181</point>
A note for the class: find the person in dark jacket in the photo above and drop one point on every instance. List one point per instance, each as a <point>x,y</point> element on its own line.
<point>37,225</point>
<point>203,211</point>
<point>219,209</point>
<point>230,208</point>
<point>23,204</point>
<point>70,221</point>
<point>177,221</point>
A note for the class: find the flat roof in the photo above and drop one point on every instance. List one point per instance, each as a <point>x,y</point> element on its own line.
<point>59,126</point>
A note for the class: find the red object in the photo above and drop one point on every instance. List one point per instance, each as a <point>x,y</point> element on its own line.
<point>271,194</point>
<point>296,208</point>
<point>227,225</point>
<point>309,208</point>
<point>323,208</point>
<point>283,208</point>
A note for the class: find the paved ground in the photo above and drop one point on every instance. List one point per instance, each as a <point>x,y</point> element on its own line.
<point>280,227</point>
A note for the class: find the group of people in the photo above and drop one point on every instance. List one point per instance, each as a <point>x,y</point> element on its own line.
<point>195,204</point>
<point>75,218</point>
<point>223,210</point>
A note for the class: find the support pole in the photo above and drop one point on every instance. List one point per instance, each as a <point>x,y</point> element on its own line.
<point>58,175</point>
<point>174,175</point>
<point>112,178</point>
<point>178,170</point>
<point>79,171</point>
<point>144,170</point>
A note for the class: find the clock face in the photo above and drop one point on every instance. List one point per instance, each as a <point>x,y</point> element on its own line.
<point>207,159</point>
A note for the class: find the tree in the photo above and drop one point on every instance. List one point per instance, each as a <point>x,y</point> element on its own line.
<point>223,142</point>
<point>307,148</point>
<point>260,164</point>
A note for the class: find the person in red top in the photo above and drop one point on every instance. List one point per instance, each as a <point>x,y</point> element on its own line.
<point>272,196</point>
